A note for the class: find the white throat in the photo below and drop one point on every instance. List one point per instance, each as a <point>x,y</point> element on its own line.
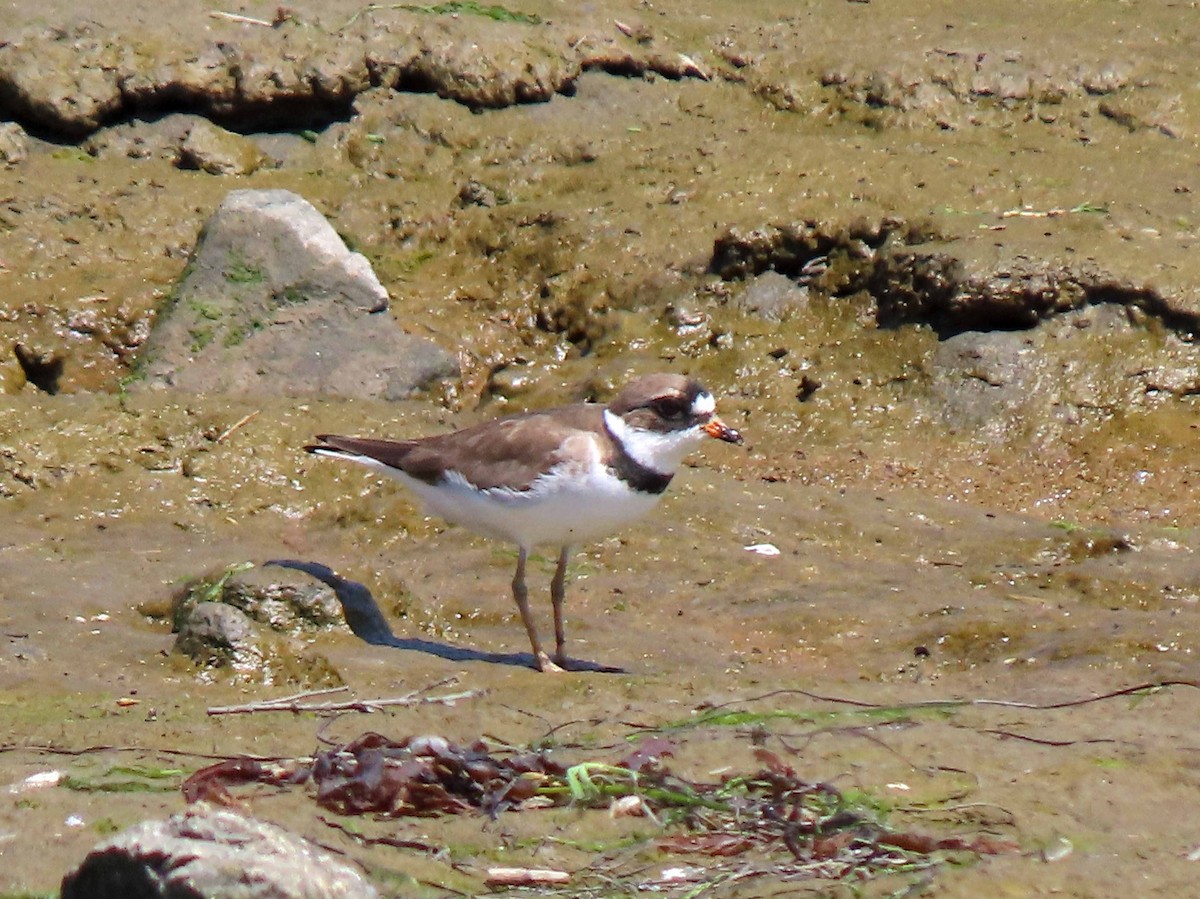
<point>660,452</point>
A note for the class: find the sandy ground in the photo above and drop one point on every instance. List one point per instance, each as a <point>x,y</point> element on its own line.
<point>1042,562</point>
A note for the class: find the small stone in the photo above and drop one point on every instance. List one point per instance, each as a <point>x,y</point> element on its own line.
<point>218,152</point>
<point>14,143</point>
<point>216,635</point>
<point>771,296</point>
<point>473,193</point>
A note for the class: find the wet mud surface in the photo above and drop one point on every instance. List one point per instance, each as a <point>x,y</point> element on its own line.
<point>935,262</point>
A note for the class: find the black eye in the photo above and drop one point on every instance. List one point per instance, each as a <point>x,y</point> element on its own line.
<point>670,407</point>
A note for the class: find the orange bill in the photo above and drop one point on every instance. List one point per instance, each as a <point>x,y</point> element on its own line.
<point>721,431</point>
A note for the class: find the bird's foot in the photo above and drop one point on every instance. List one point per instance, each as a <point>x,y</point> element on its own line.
<point>545,664</point>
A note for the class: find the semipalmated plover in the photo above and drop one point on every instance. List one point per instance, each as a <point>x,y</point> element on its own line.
<point>559,477</point>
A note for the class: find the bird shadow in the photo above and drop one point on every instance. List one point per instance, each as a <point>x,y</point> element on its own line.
<point>367,622</point>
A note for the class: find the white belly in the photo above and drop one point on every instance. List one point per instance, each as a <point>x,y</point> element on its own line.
<point>559,509</point>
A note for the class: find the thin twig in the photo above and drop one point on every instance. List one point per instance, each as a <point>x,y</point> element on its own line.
<point>966,703</point>
<point>330,719</point>
<point>310,694</point>
<point>396,842</point>
<point>237,424</point>
<point>238,17</point>
<point>147,750</point>
<point>1026,212</point>
<point>369,8</point>
<point>1010,818</point>
<point>1040,741</point>
<point>350,705</point>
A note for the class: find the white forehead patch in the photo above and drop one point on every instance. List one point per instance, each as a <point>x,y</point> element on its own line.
<point>704,404</point>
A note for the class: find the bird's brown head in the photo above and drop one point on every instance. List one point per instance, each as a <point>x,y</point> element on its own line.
<point>671,404</point>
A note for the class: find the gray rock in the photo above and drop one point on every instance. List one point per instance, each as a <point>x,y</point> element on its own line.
<point>14,143</point>
<point>274,303</point>
<point>475,193</point>
<point>216,635</point>
<point>993,358</point>
<point>218,152</point>
<point>981,377</point>
<point>212,853</point>
<point>286,602</point>
<point>244,621</point>
<point>1092,363</point>
<point>771,296</point>
<point>219,636</point>
<point>157,138</point>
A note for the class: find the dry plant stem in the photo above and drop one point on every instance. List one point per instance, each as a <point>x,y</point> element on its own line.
<point>237,17</point>
<point>154,750</point>
<point>295,703</point>
<point>245,419</point>
<point>366,10</point>
<point>397,842</point>
<point>963,703</point>
<point>525,876</point>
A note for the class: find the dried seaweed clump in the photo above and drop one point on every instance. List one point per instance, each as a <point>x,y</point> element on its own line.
<point>771,821</point>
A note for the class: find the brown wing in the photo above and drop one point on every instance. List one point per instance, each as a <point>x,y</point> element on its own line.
<point>507,453</point>
<point>389,452</point>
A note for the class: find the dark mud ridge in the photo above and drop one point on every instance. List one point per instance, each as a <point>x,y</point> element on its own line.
<point>914,279</point>
<point>71,82</point>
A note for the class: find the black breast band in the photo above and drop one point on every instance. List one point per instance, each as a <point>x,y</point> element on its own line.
<point>638,476</point>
